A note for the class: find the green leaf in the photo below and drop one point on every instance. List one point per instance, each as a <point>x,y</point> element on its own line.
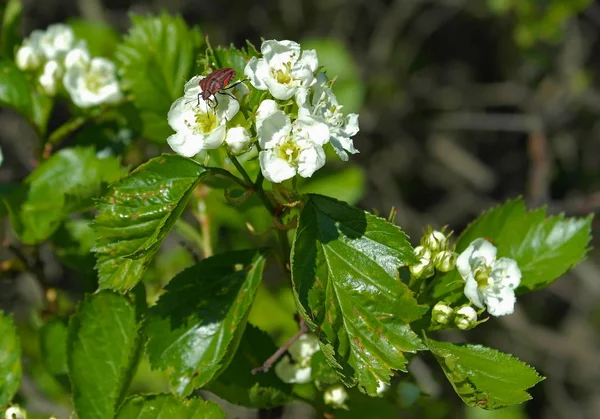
<point>155,60</point>
<point>10,359</point>
<point>238,385</point>
<point>164,406</point>
<point>194,329</point>
<point>64,183</point>
<point>53,342</point>
<point>544,247</point>
<point>137,213</point>
<point>345,274</point>
<point>484,377</point>
<point>347,185</point>
<point>73,243</point>
<point>16,93</point>
<point>339,64</point>
<point>100,37</point>
<point>103,349</point>
<point>11,21</point>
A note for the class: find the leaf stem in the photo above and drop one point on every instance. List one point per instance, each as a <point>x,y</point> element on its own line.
<point>279,352</point>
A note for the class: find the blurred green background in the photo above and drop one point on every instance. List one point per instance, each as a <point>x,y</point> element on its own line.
<point>463,103</point>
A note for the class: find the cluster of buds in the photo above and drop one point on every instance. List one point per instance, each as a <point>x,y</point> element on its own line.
<point>57,58</point>
<point>433,253</point>
<point>464,317</point>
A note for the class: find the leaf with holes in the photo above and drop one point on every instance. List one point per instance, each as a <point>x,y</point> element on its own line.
<point>484,377</point>
<point>195,328</point>
<point>345,274</point>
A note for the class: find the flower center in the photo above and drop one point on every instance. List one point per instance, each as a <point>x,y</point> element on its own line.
<point>206,122</point>
<point>482,273</point>
<point>282,75</point>
<point>289,151</point>
<point>94,81</point>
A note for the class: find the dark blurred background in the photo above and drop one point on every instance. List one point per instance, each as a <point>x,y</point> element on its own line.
<point>463,104</point>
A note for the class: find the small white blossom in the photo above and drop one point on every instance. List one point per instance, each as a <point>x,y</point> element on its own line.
<point>324,105</point>
<point>297,369</point>
<point>198,124</point>
<point>489,282</point>
<point>238,140</point>
<point>336,396</point>
<point>78,56</point>
<point>15,412</point>
<point>289,147</point>
<point>50,77</point>
<point>465,318</point>
<point>93,84</point>
<point>304,347</point>
<point>290,372</point>
<point>27,57</point>
<point>282,69</point>
<point>442,313</point>
<point>54,42</point>
<point>424,267</point>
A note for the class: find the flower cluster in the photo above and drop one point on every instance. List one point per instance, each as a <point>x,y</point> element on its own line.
<point>297,369</point>
<point>288,129</point>
<point>433,253</point>
<point>56,56</point>
<point>490,283</point>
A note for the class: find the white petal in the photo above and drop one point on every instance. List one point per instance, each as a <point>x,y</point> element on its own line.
<point>193,83</point>
<point>310,160</point>
<point>500,304</point>
<point>304,347</point>
<point>304,75</point>
<point>78,56</point>
<point>351,125</point>
<point>309,59</point>
<point>510,274</point>
<point>312,128</point>
<point>342,145</point>
<point>302,97</point>
<point>50,76</point>
<point>187,145</point>
<point>215,138</point>
<point>181,115</point>
<point>227,108</point>
<point>471,291</point>
<point>278,90</point>
<point>277,53</point>
<point>479,248</point>
<point>274,168</point>
<point>273,129</point>
<point>257,70</point>
<point>265,109</point>
<point>292,373</point>
<point>27,58</point>
<point>237,139</point>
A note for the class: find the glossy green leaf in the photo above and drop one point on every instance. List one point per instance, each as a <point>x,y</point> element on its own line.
<point>103,349</point>
<point>10,359</point>
<point>163,406</point>
<point>544,247</point>
<point>238,385</point>
<point>64,183</point>
<point>484,377</point>
<point>17,93</point>
<point>53,343</point>
<point>156,59</point>
<point>194,329</point>
<point>11,21</point>
<point>347,185</point>
<point>340,65</point>
<point>137,213</point>
<point>345,274</point>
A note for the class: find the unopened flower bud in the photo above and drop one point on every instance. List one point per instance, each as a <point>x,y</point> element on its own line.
<point>238,140</point>
<point>50,76</point>
<point>15,412</point>
<point>442,313</point>
<point>423,268</point>
<point>336,396</point>
<point>445,261</point>
<point>434,240</point>
<point>27,58</point>
<point>465,318</point>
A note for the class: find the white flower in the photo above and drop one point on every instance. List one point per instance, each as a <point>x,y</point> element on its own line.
<point>489,282</point>
<point>297,369</point>
<point>15,412</point>
<point>442,313</point>
<point>336,396</point>
<point>424,267</point>
<point>54,42</point>
<point>237,139</point>
<point>27,57</point>
<point>282,69</point>
<point>93,84</point>
<point>198,124</point>
<point>289,148</point>
<point>50,76</point>
<point>323,104</point>
<point>78,56</point>
<point>465,318</point>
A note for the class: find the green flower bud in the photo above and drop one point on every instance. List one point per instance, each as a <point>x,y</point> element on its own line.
<point>445,261</point>
<point>465,318</point>
<point>442,313</point>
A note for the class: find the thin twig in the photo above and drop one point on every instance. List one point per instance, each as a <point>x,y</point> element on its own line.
<point>279,352</point>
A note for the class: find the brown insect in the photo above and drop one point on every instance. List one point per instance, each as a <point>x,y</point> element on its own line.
<point>216,83</point>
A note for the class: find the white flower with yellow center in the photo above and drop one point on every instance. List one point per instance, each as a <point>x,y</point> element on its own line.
<point>323,104</point>
<point>92,83</point>
<point>282,69</point>
<point>289,148</point>
<point>489,282</point>
<point>54,42</point>
<point>198,124</point>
